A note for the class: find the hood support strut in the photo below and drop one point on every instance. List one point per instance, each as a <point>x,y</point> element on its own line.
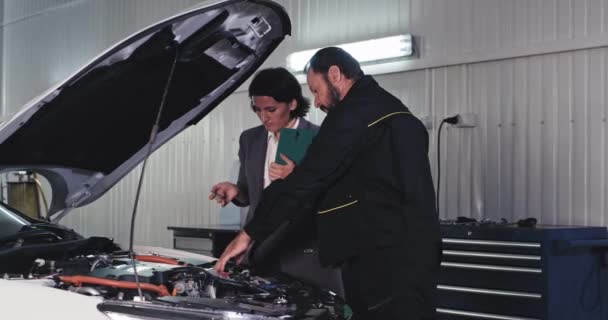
<point>153,133</point>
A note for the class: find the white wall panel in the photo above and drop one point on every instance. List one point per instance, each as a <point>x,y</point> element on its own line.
<point>539,150</point>
<point>534,71</point>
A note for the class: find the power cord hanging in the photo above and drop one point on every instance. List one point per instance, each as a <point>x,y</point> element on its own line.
<point>153,133</point>
<point>450,120</point>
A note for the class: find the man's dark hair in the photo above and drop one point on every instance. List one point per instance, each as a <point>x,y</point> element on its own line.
<point>334,56</point>
<point>282,86</point>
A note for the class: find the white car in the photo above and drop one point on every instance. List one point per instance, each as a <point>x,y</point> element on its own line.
<point>114,112</point>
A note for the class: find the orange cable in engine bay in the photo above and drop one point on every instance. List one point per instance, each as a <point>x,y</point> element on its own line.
<point>79,280</point>
<point>159,259</point>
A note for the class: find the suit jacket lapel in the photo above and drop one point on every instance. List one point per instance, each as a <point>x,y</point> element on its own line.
<point>304,124</point>
<point>258,157</point>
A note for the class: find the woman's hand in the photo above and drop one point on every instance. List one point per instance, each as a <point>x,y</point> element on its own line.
<point>277,171</point>
<point>223,193</point>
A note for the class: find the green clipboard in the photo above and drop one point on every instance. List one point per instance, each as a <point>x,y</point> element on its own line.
<point>293,143</point>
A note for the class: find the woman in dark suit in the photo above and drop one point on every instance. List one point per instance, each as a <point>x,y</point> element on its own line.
<point>276,98</point>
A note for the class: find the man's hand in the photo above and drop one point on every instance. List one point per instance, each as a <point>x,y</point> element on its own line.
<point>277,171</point>
<point>235,249</point>
<point>223,193</point>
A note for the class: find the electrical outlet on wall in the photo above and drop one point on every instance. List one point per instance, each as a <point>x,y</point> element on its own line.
<point>467,120</point>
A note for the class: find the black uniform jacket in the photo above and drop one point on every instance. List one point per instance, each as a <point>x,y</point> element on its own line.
<point>366,178</point>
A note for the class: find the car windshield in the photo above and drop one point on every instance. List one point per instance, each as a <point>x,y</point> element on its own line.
<point>11,221</point>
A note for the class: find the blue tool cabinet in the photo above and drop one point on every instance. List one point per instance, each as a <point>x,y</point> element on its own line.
<point>505,272</point>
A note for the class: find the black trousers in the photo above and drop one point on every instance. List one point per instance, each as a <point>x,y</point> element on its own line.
<point>385,284</point>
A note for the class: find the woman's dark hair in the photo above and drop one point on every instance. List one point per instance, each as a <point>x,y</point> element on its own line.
<point>334,56</point>
<point>282,86</point>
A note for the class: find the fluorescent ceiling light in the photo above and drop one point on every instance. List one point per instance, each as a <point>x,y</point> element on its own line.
<point>375,50</point>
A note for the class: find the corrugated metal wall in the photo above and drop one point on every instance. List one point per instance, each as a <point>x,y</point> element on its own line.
<point>534,71</point>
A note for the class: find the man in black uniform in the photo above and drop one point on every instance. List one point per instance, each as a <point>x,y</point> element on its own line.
<point>367,177</point>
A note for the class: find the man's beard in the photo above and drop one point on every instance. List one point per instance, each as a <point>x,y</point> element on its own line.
<point>334,96</point>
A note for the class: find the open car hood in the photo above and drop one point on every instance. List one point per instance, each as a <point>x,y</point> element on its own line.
<point>88,132</point>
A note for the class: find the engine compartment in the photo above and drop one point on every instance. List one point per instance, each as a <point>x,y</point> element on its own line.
<point>172,288</point>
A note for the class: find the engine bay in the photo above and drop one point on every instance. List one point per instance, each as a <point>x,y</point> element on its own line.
<point>172,288</point>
